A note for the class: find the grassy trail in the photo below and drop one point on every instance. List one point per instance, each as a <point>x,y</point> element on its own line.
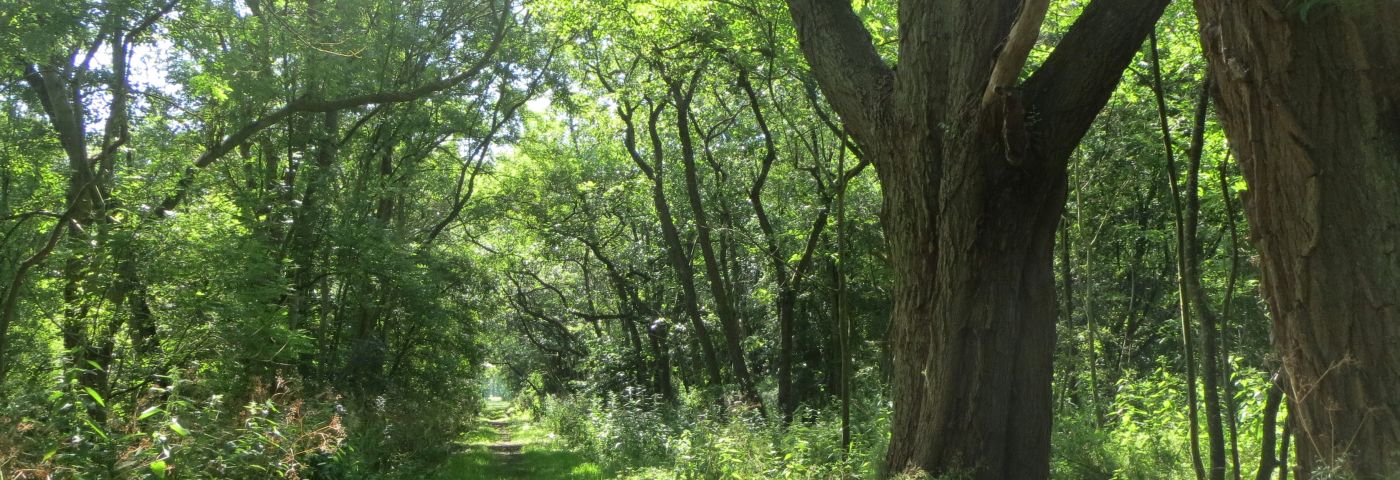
<point>511,447</point>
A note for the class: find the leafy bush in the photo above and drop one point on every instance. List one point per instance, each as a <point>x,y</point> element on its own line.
<point>176,429</point>
<point>642,438</point>
<point>1146,435</point>
<point>62,433</point>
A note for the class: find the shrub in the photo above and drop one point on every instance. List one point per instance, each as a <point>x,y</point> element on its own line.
<point>643,438</point>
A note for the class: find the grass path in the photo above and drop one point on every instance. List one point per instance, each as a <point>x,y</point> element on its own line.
<point>504,446</point>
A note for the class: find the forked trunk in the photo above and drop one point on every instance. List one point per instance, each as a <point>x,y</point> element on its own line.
<point>972,170</point>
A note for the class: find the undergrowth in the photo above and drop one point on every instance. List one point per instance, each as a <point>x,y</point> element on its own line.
<point>642,438</point>
<point>1143,435</point>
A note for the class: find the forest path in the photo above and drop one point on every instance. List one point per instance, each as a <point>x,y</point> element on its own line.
<point>509,446</point>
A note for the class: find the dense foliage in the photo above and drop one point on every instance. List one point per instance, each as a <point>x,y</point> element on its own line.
<point>299,239</point>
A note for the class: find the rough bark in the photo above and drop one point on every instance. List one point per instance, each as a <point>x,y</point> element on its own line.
<point>1310,102</point>
<point>971,233</point>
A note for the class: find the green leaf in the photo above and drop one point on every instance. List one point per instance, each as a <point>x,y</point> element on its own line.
<point>55,395</point>
<point>147,413</point>
<point>175,426</point>
<point>158,467</point>
<point>96,397</point>
<point>96,429</point>
<point>211,86</point>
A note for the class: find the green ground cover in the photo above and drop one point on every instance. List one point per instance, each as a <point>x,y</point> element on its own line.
<point>541,455</point>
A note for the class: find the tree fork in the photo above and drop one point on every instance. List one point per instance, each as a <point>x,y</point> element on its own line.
<point>971,374</point>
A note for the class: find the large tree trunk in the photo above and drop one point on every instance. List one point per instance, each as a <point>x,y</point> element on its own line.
<point>1311,102</point>
<point>972,171</point>
<point>973,330</point>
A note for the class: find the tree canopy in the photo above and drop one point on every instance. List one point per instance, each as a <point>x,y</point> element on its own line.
<point>699,239</point>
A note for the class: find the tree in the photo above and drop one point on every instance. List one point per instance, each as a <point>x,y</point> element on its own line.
<point>682,94</point>
<point>59,76</point>
<point>684,271</point>
<point>1308,98</point>
<point>314,164</point>
<point>973,173</point>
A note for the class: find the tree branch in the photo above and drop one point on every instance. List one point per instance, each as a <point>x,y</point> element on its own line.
<point>843,59</point>
<point>306,104</point>
<point>1070,89</point>
<point>1018,45</point>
